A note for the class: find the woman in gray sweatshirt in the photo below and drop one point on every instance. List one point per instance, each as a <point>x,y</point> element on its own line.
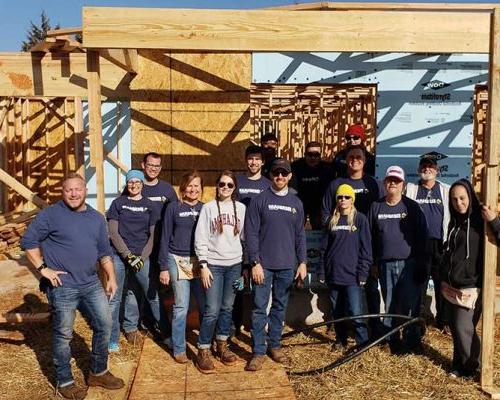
<point>218,246</point>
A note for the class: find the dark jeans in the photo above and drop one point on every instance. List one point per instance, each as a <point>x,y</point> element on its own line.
<point>402,295</point>
<point>277,282</point>
<point>373,304</point>
<point>434,257</point>
<point>93,303</point>
<point>466,344</point>
<point>349,301</point>
<point>217,316</point>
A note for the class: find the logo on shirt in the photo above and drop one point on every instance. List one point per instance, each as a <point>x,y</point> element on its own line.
<point>279,207</point>
<point>188,214</point>
<point>429,201</point>
<point>249,190</point>
<point>223,219</point>
<point>344,228</point>
<point>162,199</point>
<point>311,179</point>
<point>135,209</point>
<point>392,216</point>
<point>362,190</point>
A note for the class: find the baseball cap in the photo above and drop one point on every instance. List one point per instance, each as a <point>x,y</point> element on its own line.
<point>281,163</point>
<point>395,172</point>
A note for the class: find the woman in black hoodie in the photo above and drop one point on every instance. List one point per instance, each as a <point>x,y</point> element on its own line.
<point>461,275</point>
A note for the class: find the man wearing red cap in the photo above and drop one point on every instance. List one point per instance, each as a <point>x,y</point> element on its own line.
<point>355,135</point>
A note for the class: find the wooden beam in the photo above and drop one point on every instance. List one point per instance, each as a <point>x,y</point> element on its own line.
<point>21,189</point>
<point>57,75</point>
<point>79,137</point>
<point>95,124</point>
<point>492,147</point>
<point>123,58</point>
<point>6,104</point>
<point>278,30</point>
<point>64,31</point>
<point>117,163</point>
<point>13,318</point>
<point>326,5</point>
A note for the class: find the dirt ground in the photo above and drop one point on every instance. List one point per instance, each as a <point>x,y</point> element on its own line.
<point>27,372</point>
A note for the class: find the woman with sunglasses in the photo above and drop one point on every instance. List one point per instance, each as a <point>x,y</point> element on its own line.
<point>131,221</point>
<point>218,247</point>
<point>346,257</point>
<point>177,259</point>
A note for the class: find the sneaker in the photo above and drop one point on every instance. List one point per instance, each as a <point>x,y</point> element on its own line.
<point>204,361</point>
<point>72,391</point>
<point>113,348</point>
<point>255,364</point>
<point>225,355</point>
<point>181,358</point>
<point>455,374</point>
<point>134,337</point>
<point>277,355</point>
<point>339,346</point>
<point>106,380</point>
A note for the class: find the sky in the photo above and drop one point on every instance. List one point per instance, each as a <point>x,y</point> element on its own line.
<point>17,14</point>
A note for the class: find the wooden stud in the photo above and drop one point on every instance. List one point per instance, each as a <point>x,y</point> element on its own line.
<point>64,31</point>
<point>123,58</point>
<point>273,30</point>
<point>79,137</point>
<point>21,189</point>
<point>95,124</point>
<point>492,147</point>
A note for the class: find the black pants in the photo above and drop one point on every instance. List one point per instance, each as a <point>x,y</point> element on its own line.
<point>434,251</point>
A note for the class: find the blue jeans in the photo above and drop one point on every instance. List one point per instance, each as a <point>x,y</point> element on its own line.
<point>140,281</point>
<point>279,283</point>
<point>217,316</point>
<point>93,303</point>
<point>402,295</point>
<point>182,294</point>
<point>349,301</point>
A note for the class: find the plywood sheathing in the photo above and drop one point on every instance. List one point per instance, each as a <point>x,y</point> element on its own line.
<point>194,109</point>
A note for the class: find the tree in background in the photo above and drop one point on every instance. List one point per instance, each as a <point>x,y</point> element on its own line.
<point>37,33</point>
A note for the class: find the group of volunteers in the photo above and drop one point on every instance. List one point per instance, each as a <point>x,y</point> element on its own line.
<point>391,234</point>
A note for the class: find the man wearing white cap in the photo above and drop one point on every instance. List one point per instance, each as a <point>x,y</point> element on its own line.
<point>398,229</point>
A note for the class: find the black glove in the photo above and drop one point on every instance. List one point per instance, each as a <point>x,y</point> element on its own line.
<point>420,275</point>
<point>135,262</point>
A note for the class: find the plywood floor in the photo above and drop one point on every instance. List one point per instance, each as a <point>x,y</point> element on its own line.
<point>158,376</point>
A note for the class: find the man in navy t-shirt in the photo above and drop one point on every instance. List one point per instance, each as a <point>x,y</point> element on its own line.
<point>399,229</point>
<point>276,245</point>
<point>252,183</point>
<point>64,243</point>
<point>432,195</point>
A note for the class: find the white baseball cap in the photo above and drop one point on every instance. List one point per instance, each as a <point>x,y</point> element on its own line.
<point>395,172</point>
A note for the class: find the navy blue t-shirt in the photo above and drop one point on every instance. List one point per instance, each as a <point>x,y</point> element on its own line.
<point>367,190</point>
<point>160,194</point>
<point>249,189</point>
<point>432,205</point>
<point>135,217</point>
<point>346,252</point>
<point>274,231</point>
<point>177,236</point>
<point>398,231</point>
<point>70,241</point>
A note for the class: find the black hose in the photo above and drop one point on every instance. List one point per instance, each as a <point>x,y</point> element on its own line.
<point>351,356</point>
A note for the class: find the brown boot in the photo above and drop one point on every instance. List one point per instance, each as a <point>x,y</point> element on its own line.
<point>106,380</point>
<point>255,364</point>
<point>204,361</point>
<point>225,355</point>
<point>135,338</point>
<point>181,358</point>
<point>72,391</point>
<point>277,355</point>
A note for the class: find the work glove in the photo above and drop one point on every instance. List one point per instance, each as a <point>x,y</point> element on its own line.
<point>135,262</point>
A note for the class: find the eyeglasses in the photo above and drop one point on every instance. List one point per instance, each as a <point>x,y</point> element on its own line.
<point>312,154</point>
<point>344,197</point>
<point>279,172</point>
<point>224,184</point>
<point>154,166</point>
<point>352,138</point>
<point>134,183</point>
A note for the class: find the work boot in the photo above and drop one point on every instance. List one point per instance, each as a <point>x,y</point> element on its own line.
<point>181,358</point>
<point>106,380</point>
<point>277,355</point>
<point>225,355</point>
<point>72,391</point>
<point>255,364</point>
<point>204,361</point>
<point>134,338</point>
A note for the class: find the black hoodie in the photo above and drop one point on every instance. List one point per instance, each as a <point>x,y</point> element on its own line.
<point>462,265</point>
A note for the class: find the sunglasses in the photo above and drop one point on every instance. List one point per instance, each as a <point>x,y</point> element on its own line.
<point>224,184</point>
<point>344,197</point>
<point>352,137</point>
<point>279,172</point>
<point>314,154</point>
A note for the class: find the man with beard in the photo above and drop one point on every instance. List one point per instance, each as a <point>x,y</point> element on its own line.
<point>64,242</point>
<point>276,245</point>
<point>311,178</point>
<point>269,144</point>
<point>432,195</point>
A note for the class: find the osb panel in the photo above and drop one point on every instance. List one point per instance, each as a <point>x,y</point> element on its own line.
<point>159,120</point>
<point>210,100</point>
<point>153,73</point>
<point>211,71</point>
<point>145,141</point>
<point>211,121</point>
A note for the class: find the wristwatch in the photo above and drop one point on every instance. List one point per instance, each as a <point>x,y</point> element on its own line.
<point>42,266</point>
<point>203,265</point>
<point>254,263</point>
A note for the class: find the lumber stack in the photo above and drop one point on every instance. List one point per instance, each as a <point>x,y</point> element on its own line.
<point>12,229</point>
